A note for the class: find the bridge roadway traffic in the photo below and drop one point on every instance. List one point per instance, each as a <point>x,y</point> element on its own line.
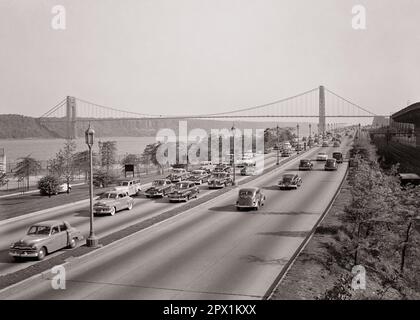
<point>78,216</point>
<point>211,251</point>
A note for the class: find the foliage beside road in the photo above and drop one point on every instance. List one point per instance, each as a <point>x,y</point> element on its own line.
<point>372,226</point>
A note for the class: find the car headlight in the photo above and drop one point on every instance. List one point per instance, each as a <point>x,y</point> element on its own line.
<point>33,247</point>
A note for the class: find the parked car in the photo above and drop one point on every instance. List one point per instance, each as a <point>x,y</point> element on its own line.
<point>336,144</point>
<point>223,168</point>
<point>338,156</point>
<point>331,165</point>
<point>43,238</point>
<point>325,144</point>
<point>290,181</point>
<point>132,187</point>
<point>220,180</point>
<point>409,179</point>
<point>183,191</point>
<point>159,188</point>
<point>322,156</point>
<point>286,153</point>
<point>198,176</point>
<point>177,175</point>
<point>250,170</point>
<point>306,164</point>
<point>250,198</point>
<point>207,165</point>
<point>112,201</point>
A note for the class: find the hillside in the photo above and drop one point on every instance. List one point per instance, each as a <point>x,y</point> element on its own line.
<point>21,127</point>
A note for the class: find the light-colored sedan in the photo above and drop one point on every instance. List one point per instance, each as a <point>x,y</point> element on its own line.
<point>112,201</point>
<point>43,238</point>
<point>322,156</point>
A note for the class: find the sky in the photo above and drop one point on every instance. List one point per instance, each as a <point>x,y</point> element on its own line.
<point>206,56</point>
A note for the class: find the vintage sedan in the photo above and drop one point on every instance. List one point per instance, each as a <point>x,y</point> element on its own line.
<point>220,180</point>
<point>112,201</point>
<point>159,188</point>
<point>338,156</point>
<point>184,191</point>
<point>250,198</point>
<point>132,187</point>
<point>322,156</point>
<point>325,144</point>
<point>306,164</point>
<point>286,153</point>
<point>251,170</point>
<point>198,176</point>
<point>177,175</point>
<point>331,165</point>
<point>222,168</point>
<point>290,181</point>
<point>43,238</point>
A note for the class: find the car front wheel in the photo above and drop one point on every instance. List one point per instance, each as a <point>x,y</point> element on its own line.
<point>42,253</point>
<point>72,243</point>
<point>130,206</point>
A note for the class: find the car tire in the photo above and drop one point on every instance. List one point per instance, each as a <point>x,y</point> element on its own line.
<point>113,210</point>
<point>42,253</point>
<point>72,243</point>
<point>130,206</point>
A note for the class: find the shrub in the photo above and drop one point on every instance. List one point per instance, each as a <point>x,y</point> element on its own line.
<point>49,185</point>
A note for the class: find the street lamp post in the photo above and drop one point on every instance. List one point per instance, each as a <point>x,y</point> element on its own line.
<point>92,240</point>
<point>278,146</point>
<point>310,130</point>
<point>297,129</point>
<point>234,165</point>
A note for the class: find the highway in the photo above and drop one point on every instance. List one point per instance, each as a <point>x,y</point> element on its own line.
<point>78,216</point>
<point>209,252</point>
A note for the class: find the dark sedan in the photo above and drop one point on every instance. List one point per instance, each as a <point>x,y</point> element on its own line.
<point>250,198</point>
<point>290,181</point>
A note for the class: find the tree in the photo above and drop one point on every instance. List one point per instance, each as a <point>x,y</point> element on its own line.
<point>26,167</point>
<point>63,165</point>
<point>81,162</point>
<point>149,155</point>
<point>130,158</point>
<point>103,178</point>
<point>49,185</point>
<point>108,153</point>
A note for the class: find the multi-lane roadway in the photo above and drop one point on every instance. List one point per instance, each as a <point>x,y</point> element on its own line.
<point>211,251</point>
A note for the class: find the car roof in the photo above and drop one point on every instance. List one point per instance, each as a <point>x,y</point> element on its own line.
<point>249,189</point>
<point>48,223</point>
<point>409,176</point>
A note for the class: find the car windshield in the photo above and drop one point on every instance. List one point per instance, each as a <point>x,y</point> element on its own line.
<point>177,171</point>
<point>45,230</point>
<point>288,178</point>
<point>304,161</point>
<point>330,162</point>
<point>218,176</point>
<point>182,186</point>
<point>158,183</point>
<point>108,195</point>
<point>124,183</point>
<point>321,154</point>
<point>246,193</point>
<point>197,172</point>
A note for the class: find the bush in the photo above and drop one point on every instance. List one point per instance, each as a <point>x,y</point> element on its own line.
<point>49,185</point>
<point>103,178</point>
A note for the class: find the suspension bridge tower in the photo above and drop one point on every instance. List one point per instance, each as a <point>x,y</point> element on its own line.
<point>321,120</point>
<point>71,117</point>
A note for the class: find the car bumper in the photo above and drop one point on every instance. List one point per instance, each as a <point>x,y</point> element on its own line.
<point>153,194</point>
<point>101,211</point>
<point>23,253</point>
<point>216,185</point>
<point>177,198</point>
<point>330,169</point>
<point>288,186</point>
<point>305,168</point>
